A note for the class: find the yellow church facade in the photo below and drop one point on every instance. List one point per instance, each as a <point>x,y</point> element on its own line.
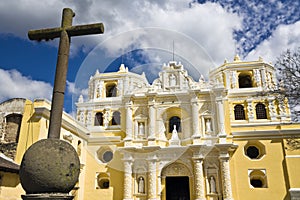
<point>229,137</point>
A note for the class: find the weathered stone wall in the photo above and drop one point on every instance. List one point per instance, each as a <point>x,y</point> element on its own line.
<point>11,112</point>
<point>9,149</point>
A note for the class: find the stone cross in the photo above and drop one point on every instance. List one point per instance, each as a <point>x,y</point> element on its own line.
<point>65,32</point>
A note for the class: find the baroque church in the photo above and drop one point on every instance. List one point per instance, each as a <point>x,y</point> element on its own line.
<point>229,137</point>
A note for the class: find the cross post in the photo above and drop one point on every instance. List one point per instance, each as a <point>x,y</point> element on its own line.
<point>65,32</point>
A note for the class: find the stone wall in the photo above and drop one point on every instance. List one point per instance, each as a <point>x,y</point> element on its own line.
<point>11,112</point>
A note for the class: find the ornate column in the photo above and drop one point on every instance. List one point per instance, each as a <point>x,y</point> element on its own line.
<point>225,175</point>
<point>152,178</point>
<point>120,88</point>
<point>152,118</point>
<point>257,77</point>
<point>195,118</point>
<point>89,118</point>
<point>272,109</point>
<point>250,110</point>
<point>228,84</point>
<point>263,78</point>
<point>126,85</point>
<point>127,179</point>
<point>81,116</point>
<point>199,181</point>
<point>128,121</point>
<point>221,119</point>
<point>159,180</point>
<point>282,111</point>
<point>234,80</point>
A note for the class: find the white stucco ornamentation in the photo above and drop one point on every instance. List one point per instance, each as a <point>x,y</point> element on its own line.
<point>195,115</point>
<point>225,174</point>
<point>250,109</point>
<point>151,121</point>
<point>129,121</point>
<point>152,178</point>
<point>199,181</point>
<point>127,180</point>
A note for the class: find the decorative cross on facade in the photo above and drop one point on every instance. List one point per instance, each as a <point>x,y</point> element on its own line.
<point>65,32</point>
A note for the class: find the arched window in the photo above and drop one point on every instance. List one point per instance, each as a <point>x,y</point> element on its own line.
<point>116,119</point>
<point>258,179</point>
<point>111,90</point>
<point>99,119</point>
<point>245,81</point>
<point>174,121</point>
<point>103,180</point>
<point>239,113</point>
<point>261,112</point>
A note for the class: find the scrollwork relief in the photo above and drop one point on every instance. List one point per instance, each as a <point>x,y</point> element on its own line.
<point>293,143</point>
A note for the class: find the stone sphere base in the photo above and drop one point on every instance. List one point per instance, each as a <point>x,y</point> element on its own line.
<point>47,196</point>
<point>49,166</point>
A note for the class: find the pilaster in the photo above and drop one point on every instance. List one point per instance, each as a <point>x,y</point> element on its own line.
<point>221,119</point>
<point>195,117</point>
<point>272,109</point>
<point>159,180</point>
<point>151,137</point>
<point>129,122</point>
<point>199,181</point>
<point>225,175</point>
<point>152,178</point>
<point>250,110</point>
<point>127,179</point>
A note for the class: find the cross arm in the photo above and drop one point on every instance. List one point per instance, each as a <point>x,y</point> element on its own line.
<point>89,29</point>
<point>51,33</point>
<point>44,34</point>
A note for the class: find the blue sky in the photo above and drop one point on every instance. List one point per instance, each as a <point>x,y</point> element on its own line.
<point>141,35</point>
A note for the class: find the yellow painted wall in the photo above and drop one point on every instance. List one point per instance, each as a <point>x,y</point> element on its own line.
<point>29,132</point>
<point>10,187</point>
<point>293,162</point>
<point>272,162</point>
<point>91,192</point>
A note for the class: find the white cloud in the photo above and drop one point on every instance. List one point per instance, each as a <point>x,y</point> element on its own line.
<point>283,38</point>
<point>14,84</point>
<point>73,90</point>
<point>208,24</point>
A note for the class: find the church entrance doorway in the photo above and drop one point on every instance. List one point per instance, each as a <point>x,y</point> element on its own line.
<point>177,188</point>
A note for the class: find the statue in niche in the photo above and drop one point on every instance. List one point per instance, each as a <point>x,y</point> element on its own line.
<point>106,119</point>
<point>172,80</point>
<point>212,185</point>
<point>174,134</point>
<point>141,185</point>
<point>208,125</point>
<point>141,130</point>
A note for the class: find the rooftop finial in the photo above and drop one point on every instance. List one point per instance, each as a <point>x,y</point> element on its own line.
<point>122,68</point>
<point>236,58</point>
